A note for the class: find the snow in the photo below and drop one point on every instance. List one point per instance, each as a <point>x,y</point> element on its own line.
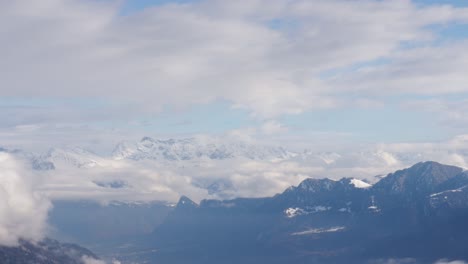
<point>197,148</point>
<point>319,231</point>
<point>293,212</point>
<point>76,157</point>
<point>320,208</point>
<point>449,191</point>
<point>360,184</point>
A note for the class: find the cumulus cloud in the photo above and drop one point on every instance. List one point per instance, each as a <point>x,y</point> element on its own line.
<point>23,211</point>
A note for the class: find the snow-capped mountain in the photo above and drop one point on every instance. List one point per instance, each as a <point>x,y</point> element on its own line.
<point>199,149</point>
<point>76,157</point>
<point>216,167</point>
<point>196,148</point>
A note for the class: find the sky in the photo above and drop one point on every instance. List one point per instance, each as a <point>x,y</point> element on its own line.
<point>373,84</point>
<point>99,71</point>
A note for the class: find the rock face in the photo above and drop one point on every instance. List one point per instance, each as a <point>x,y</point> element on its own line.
<point>417,214</point>
<point>45,252</point>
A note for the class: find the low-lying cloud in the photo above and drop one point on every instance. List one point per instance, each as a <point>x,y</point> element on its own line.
<point>79,175</point>
<point>443,261</point>
<point>23,211</point>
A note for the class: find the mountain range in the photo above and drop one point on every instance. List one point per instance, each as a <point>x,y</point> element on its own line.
<point>321,220</point>
<point>199,148</point>
<point>415,215</point>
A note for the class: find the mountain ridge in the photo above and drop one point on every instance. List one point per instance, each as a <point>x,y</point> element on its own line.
<point>333,221</point>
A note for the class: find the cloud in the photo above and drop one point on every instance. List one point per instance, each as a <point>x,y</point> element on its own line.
<point>90,260</point>
<point>23,211</point>
<point>395,261</point>
<point>267,60</point>
<point>273,127</point>
<point>152,180</point>
<point>425,70</point>
<point>444,261</point>
<point>81,175</point>
<point>448,112</point>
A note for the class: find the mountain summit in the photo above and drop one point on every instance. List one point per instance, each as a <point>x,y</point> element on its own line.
<point>422,178</point>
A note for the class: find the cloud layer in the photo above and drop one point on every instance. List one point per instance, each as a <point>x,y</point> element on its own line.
<point>187,169</point>
<point>266,56</point>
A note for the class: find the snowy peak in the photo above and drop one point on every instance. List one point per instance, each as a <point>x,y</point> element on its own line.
<point>76,157</point>
<point>196,148</point>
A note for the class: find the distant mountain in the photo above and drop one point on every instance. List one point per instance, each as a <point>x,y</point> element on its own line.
<point>62,157</point>
<point>222,148</point>
<point>47,251</point>
<point>171,151</point>
<point>417,214</point>
<point>75,156</point>
<point>214,148</point>
<point>195,148</point>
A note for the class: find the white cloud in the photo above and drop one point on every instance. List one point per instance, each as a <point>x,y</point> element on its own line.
<point>450,262</point>
<point>23,211</point>
<point>162,179</point>
<point>448,113</point>
<point>395,261</point>
<point>273,127</point>
<point>91,260</point>
<point>425,70</point>
<point>183,54</point>
<point>267,56</point>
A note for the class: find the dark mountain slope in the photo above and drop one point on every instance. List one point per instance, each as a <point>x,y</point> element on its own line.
<point>419,213</point>
<point>45,252</point>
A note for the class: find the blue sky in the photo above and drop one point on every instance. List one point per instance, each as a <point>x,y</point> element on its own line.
<point>389,123</point>
<point>386,71</point>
